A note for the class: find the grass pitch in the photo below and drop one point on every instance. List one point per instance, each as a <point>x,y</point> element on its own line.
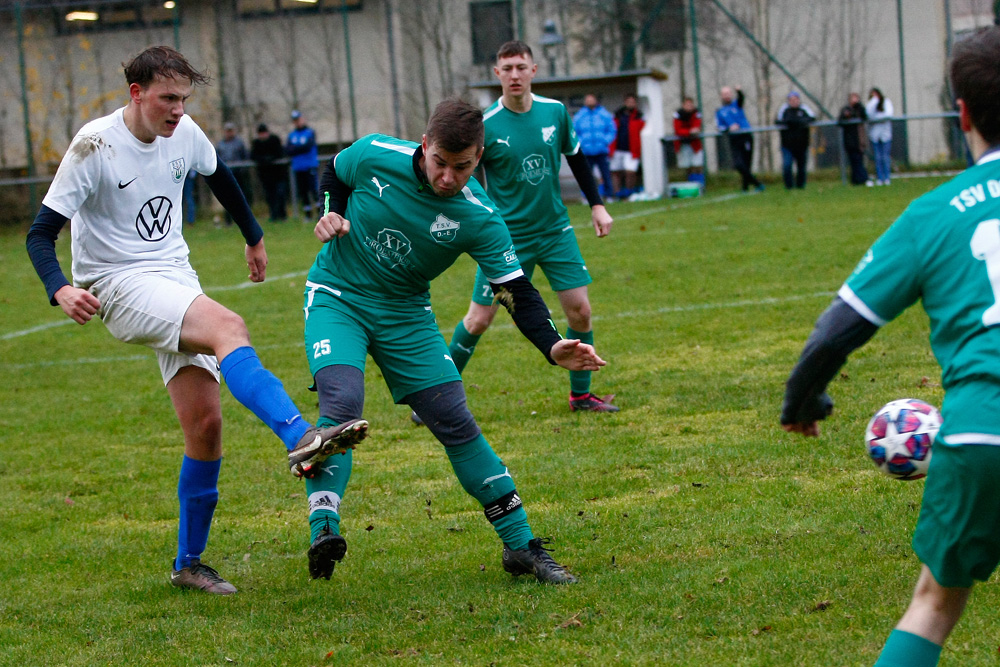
<point>702,533</point>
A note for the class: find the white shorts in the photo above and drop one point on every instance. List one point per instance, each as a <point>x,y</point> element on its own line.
<point>623,161</point>
<point>147,308</point>
<point>687,158</point>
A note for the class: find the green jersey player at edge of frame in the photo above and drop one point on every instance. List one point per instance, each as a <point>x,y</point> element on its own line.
<point>954,231</point>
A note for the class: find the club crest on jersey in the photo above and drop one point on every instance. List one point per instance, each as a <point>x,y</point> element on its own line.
<point>177,170</point>
<point>153,221</point>
<point>549,134</point>
<point>444,230</point>
<point>534,169</point>
<point>392,246</point>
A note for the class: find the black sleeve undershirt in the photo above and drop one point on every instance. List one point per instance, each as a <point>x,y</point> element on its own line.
<point>339,191</point>
<point>584,178</point>
<point>41,244</point>
<point>529,312</point>
<point>839,331</point>
<point>225,188</point>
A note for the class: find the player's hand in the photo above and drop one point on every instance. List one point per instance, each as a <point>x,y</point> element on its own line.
<point>257,261</point>
<point>573,355</point>
<point>602,220</point>
<point>332,225</point>
<point>79,304</point>
<point>734,127</point>
<point>808,429</point>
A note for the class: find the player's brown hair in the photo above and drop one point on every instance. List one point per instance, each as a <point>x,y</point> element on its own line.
<point>161,61</point>
<point>514,48</point>
<point>975,78</point>
<point>455,125</point>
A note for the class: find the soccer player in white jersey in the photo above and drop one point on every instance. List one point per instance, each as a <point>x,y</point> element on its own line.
<point>121,183</point>
<point>944,251</point>
<point>526,137</point>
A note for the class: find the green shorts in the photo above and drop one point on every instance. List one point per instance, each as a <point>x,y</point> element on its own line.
<point>402,338</point>
<point>557,254</point>
<point>958,532</point>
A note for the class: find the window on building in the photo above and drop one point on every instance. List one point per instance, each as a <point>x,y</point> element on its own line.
<point>492,25</point>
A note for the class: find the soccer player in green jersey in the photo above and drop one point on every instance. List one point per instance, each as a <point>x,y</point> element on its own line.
<point>945,251</point>
<point>526,136</point>
<point>400,214</point>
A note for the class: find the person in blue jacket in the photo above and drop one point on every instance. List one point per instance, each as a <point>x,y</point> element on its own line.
<point>595,127</point>
<point>301,147</point>
<point>734,124</point>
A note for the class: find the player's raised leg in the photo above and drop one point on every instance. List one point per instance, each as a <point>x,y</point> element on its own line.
<point>484,476</point>
<point>576,305</point>
<point>210,328</point>
<point>194,393</point>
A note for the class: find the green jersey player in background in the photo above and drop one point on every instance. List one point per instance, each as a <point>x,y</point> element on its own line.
<point>954,233</point>
<point>400,214</point>
<point>526,137</point>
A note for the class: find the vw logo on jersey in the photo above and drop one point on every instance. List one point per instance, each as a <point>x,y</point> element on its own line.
<point>392,246</point>
<point>548,134</point>
<point>534,169</point>
<point>177,170</point>
<point>444,230</point>
<point>153,221</point>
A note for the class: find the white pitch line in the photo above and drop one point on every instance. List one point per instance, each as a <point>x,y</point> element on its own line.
<point>690,308</point>
<point>40,327</point>
<point>247,283</point>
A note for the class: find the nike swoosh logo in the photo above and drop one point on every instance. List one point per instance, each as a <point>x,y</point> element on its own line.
<point>122,186</point>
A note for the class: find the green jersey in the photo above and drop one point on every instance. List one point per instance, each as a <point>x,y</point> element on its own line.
<point>521,157</point>
<point>403,235</point>
<point>945,250</point>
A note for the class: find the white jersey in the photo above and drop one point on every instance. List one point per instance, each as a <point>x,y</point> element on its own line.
<point>124,196</point>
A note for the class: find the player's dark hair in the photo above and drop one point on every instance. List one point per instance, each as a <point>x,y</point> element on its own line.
<point>514,48</point>
<point>455,125</point>
<point>975,77</point>
<point>161,61</point>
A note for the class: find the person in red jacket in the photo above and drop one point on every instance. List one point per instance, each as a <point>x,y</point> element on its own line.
<point>626,149</point>
<point>687,126</point>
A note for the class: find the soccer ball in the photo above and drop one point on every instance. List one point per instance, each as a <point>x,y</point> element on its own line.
<point>899,438</point>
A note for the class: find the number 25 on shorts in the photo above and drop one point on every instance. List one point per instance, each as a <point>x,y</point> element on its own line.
<point>321,347</point>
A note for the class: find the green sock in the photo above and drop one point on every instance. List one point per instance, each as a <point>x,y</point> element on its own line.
<point>579,381</point>
<point>484,476</point>
<point>905,649</point>
<point>326,490</point>
<point>462,345</point>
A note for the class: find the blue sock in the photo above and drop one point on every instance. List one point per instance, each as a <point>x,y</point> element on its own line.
<point>198,492</point>
<point>263,394</point>
<point>905,649</point>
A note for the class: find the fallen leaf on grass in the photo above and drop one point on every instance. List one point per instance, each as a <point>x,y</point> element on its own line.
<point>69,501</point>
<point>822,606</point>
<point>757,631</point>
<point>721,580</point>
<point>370,528</point>
<point>572,622</point>
<point>482,567</point>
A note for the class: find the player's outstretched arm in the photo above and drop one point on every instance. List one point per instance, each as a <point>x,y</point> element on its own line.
<point>839,331</point>
<point>78,304</point>
<point>573,355</point>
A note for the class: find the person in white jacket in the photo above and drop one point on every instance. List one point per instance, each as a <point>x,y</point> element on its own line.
<point>879,109</point>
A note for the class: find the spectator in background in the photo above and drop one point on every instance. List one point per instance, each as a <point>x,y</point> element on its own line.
<point>626,149</point>
<point>879,109</point>
<point>232,149</point>
<point>595,127</point>
<point>301,147</point>
<point>734,124</point>
<point>852,118</point>
<point>267,152</point>
<point>795,118</point>
<point>190,202</point>
<point>687,126</point>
